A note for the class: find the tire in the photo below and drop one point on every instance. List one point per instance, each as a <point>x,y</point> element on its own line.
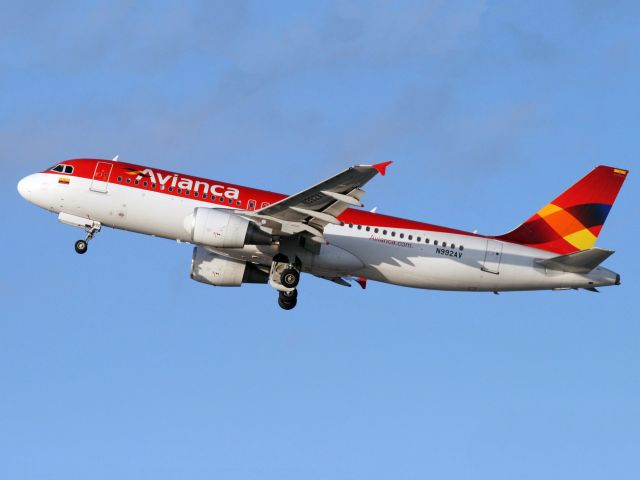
<point>289,278</point>
<point>81,247</point>
<point>289,296</point>
<point>287,304</point>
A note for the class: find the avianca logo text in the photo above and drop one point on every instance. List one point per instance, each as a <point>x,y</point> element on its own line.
<point>173,180</point>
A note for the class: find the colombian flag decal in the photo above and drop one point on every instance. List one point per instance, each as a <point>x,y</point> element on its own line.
<point>64,180</point>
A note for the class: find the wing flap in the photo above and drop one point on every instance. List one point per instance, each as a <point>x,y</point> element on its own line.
<point>348,199</point>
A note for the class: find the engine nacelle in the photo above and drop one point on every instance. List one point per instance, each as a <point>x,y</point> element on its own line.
<point>208,267</point>
<point>215,227</point>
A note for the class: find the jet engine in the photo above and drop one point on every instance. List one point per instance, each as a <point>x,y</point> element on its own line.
<point>213,269</point>
<point>215,227</point>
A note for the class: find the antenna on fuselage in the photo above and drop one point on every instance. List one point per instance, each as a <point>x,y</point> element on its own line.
<point>115,159</point>
<point>373,210</point>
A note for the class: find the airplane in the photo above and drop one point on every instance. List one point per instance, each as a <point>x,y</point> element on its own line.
<point>246,235</point>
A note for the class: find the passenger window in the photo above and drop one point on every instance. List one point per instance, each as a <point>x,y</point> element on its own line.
<point>461,248</point>
<point>384,232</point>
<point>393,234</point>
<point>179,190</point>
<point>444,244</point>
<point>128,180</point>
<point>187,192</point>
<point>196,194</point>
<point>453,245</point>
<point>410,237</point>
<point>376,230</point>
<point>204,195</point>
<point>230,200</point>
<point>359,227</point>
<point>222,199</point>
<point>402,235</point>
<point>351,225</point>
<point>68,169</point>
<point>435,242</point>
<point>426,240</point>
<point>238,202</point>
<point>418,239</point>
<point>137,182</point>
<point>153,185</point>
<point>145,184</point>
<point>119,179</point>
<point>171,189</point>
<point>368,229</point>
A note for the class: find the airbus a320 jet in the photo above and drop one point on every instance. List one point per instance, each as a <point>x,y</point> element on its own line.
<point>245,235</point>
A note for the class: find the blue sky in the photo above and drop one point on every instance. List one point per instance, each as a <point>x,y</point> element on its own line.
<point>117,365</point>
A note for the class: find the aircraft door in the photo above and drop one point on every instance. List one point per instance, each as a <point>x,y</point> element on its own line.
<point>492,257</point>
<point>101,176</point>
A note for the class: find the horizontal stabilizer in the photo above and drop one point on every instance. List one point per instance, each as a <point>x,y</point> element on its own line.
<point>577,262</point>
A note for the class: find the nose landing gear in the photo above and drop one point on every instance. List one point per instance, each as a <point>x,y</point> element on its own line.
<point>82,246</point>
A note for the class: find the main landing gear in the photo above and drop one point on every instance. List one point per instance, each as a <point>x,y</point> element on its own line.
<point>284,277</point>
<point>288,300</point>
<point>290,277</point>
<point>83,245</point>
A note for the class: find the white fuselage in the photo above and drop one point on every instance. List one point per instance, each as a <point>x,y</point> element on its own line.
<point>483,264</point>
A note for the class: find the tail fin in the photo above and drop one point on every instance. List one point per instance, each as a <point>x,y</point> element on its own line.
<point>572,222</point>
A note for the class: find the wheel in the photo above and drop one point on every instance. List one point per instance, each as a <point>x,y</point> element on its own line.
<point>290,277</point>
<point>286,304</point>
<point>288,296</point>
<point>81,247</point>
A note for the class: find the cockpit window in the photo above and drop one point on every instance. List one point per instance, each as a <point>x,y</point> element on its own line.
<point>68,169</point>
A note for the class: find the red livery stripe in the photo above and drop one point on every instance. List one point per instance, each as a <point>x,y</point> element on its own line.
<point>85,168</point>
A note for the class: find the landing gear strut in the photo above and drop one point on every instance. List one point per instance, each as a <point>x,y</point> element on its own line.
<point>288,300</point>
<point>83,245</point>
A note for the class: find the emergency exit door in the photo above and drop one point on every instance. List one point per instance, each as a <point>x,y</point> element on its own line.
<point>101,176</point>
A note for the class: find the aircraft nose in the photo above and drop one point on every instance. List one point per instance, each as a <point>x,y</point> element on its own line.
<point>24,187</point>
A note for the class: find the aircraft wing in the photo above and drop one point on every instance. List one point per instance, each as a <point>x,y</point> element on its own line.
<point>316,207</point>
